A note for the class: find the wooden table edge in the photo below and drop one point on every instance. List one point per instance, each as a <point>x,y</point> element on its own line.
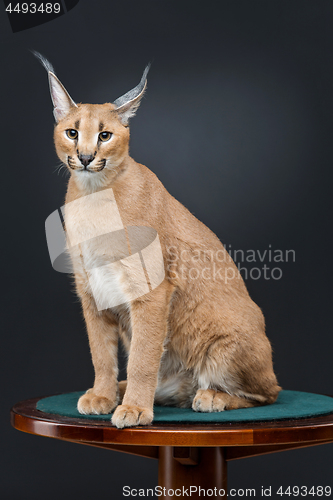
<point>308,431</point>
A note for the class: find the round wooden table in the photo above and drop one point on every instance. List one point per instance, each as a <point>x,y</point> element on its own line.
<point>189,455</point>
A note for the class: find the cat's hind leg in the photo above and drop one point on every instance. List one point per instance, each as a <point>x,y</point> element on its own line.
<point>236,374</point>
<point>209,400</point>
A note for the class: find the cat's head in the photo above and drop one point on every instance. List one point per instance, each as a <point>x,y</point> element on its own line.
<point>92,139</point>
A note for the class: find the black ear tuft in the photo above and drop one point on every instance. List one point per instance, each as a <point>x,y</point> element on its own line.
<point>127,105</point>
<point>61,99</point>
<point>47,65</point>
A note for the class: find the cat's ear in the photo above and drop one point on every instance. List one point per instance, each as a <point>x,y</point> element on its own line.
<point>62,101</point>
<point>127,104</point>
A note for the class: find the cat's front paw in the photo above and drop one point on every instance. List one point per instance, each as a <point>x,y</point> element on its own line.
<point>130,416</point>
<point>91,404</point>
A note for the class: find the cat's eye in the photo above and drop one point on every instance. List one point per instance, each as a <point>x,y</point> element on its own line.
<point>104,136</point>
<point>72,133</point>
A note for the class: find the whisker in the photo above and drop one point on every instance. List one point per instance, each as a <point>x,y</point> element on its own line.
<point>99,165</point>
<point>58,166</point>
<point>61,167</point>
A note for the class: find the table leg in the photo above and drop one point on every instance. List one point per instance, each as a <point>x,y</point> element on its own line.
<point>205,468</point>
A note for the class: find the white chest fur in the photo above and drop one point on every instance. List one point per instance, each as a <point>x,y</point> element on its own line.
<point>96,242</point>
<point>104,279</point>
<point>100,251</point>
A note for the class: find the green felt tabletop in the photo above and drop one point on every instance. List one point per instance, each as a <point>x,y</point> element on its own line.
<point>289,405</point>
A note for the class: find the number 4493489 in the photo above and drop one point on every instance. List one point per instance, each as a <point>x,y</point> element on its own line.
<point>32,8</point>
<point>303,491</point>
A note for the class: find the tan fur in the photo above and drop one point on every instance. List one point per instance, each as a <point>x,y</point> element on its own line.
<point>194,340</point>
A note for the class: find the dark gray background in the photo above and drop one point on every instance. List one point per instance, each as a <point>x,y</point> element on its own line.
<point>237,123</point>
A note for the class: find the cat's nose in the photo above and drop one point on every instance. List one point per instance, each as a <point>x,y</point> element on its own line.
<point>86,159</point>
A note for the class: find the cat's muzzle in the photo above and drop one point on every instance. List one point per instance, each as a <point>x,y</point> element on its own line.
<point>100,164</point>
